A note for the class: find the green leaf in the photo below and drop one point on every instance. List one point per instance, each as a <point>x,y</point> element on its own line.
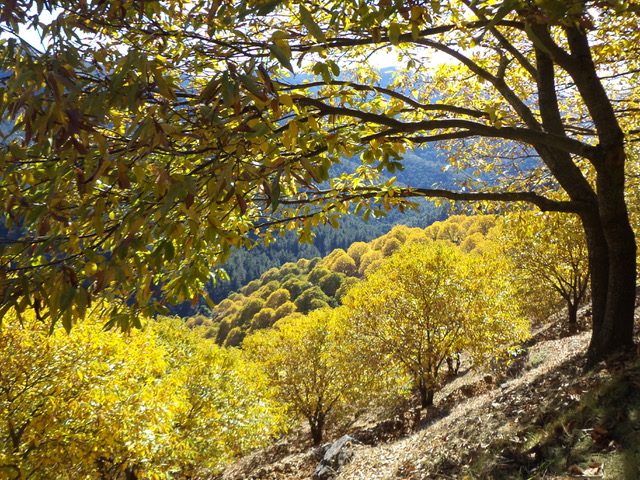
<point>67,321</point>
<point>281,56</point>
<point>267,7</point>
<point>110,323</point>
<point>252,86</point>
<point>66,298</point>
<point>169,251</point>
<point>505,9</point>
<point>311,25</point>
<point>228,90</point>
<point>275,194</point>
<point>209,90</point>
<point>335,68</point>
<point>394,33</point>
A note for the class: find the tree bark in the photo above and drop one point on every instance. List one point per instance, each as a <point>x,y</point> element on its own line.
<point>426,394</point>
<point>573,313</point>
<point>610,238</point>
<point>317,427</point>
<point>612,254</point>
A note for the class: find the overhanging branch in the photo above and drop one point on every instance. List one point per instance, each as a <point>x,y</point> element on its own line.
<point>543,203</point>
<point>525,135</point>
<point>427,107</point>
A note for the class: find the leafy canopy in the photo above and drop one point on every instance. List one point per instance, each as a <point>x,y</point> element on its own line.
<point>317,369</point>
<point>550,255</point>
<point>429,302</point>
<point>143,143</point>
<point>99,404</point>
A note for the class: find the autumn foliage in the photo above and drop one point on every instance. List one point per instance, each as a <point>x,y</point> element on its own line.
<point>431,302</point>
<point>315,345</point>
<point>96,404</point>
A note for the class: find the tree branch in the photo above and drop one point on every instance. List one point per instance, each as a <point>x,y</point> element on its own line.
<point>579,64</point>
<point>340,42</point>
<point>500,85</point>
<point>433,107</point>
<point>533,137</point>
<point>543,203</point>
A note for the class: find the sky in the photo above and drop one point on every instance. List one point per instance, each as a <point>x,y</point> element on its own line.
<point>29,35</point>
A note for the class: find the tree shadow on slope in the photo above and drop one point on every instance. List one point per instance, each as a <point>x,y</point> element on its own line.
<point>580,426</point>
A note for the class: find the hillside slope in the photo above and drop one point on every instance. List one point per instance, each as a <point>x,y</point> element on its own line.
<point>544,419</point>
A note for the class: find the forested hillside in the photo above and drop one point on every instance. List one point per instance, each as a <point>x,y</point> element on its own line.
<point>309,284</point>
<point>301,153</point>
<point>422,167</point>
<point>547,276</point>
<point>370,328</point>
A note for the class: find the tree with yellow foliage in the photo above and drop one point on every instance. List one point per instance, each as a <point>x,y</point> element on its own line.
<point>95,404</point>
<point>316,368</point>
<point>431,301</point>
<point>550,253</point>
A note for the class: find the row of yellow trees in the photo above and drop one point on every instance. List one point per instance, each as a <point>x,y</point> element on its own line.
<point>396,331</point>
<point>167,402</point>
<point>467,286</point>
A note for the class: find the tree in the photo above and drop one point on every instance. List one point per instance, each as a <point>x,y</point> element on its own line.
<point>266,289</point>
<point>295,286</point>
<point>96,404</point>
<point>277,298</point>
<point>316,372</point>
<point>251,307</point>
<point>317,273</point>
<point>369,261</point>
<point>551,255</point>
<point>344,264</point>
<point>284,310</point>
<point>145,149</point>
<point>429,302</point>
<point>227,406</point>
<point>311,299</point>
<point>63,394</point>
<point>331,283</point>
<point>223,331</point>
<point>356,250</point>
<point>263,319</point>
<point>235,337</point>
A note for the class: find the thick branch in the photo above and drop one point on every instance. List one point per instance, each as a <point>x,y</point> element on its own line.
<point>540,201</point>
<point>427,107</point>
<point>580,66</point>
<point>403,38</point>
<point>543,203</point>
<point>591,89</point>
<point>525,135</point>
<point>558,161</point>
<point>500,85</point>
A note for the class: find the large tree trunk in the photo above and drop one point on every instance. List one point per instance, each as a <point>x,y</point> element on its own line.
<point>610,239</point>
<point>612,258</point>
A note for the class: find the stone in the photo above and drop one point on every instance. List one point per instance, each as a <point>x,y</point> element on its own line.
<point>336,456</point>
